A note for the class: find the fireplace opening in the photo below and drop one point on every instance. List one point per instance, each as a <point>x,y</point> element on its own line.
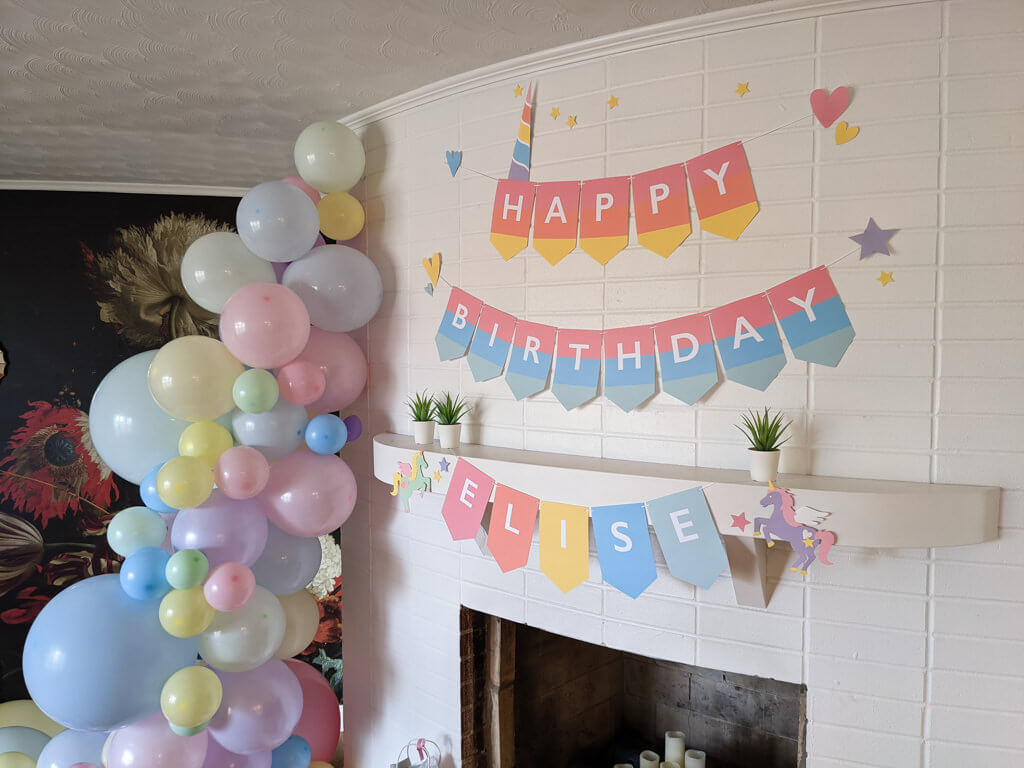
<point>535,699</point>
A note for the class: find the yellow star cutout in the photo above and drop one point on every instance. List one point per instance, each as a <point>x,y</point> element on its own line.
<point>613,102</point>
<point>555,112</point>
<point>518,90</point>
<point>571,122</point>
<point>437,477</point>
<point>742,89</point>
<point>885,278</point>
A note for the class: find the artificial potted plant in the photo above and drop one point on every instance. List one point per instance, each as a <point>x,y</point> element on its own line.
<point>766,433</point>
<point>449,411</point>
<point>421,408</point>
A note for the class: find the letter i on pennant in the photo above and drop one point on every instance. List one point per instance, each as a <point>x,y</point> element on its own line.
<point>457,325</point>
<point>564,544</point>
<point>661,209</point>
<point>469,490</point>
<point>723,190</point>
<point>493,340</point>
<point>577,367</point>
<point>513,518</point>
<point>510,220</point>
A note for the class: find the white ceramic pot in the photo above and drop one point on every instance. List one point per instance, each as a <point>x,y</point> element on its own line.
<point>449,435</point>
<point>423,432</point>
<point>764,465</point>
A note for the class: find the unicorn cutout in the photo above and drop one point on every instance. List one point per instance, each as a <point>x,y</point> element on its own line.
<point>788,524</point>
<point>411,478</point>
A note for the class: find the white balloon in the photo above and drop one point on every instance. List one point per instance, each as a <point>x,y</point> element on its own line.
<point>244,639</point>
<point>302,618</point>
<point>340,287</point>
<point>277,222</point>
<point>329,157</point>
<point>274,433</point>
<point>218,264</point>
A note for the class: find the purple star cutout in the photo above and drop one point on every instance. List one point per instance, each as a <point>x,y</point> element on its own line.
<point>740,521</point>
<point>444,464</point>
<point>874,240</point>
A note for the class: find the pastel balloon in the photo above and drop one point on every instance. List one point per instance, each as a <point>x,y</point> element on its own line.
<point>246,638</point>
<point>16,760</point>
<point>241,472</point>
<point>218,264</point>
<point>191,696</point>
<point>218,757</point>
<point>226,530</point>
<point>340,287</point>
<point>341,216</point>
<point>344,367</point>
<point>190,730</point>
<point>309,494</point>
<point>70,748</point>
<point>185,612</point>
<point>320,764</point>
<point>288,563</point>
<point>329,156</point>
<point>96,659</point>
<point>150,496</point>
<point>19,738</point>
<point>354,425</point>
<point>275,433</point>
<point>326,434</point>
<point>25,712</point>
<point>143,573</point>
<point>301,382</point>
<point>152,743</point>
<point>133,528</point>
<point>301,621</point>
<point>186,568</point>
<point>205,440</point>
<point>255,391</point>
<point>191,378</point>
<point>300,183</point>
<point>294,753</point>
<point>264,325</point>
<point>184,481</point>
<point>259,710</point>
<point>320,722</point>
<point>277,221</point>
<point>229,587</point>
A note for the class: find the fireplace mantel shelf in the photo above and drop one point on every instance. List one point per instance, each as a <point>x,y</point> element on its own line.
<point>864,513</point>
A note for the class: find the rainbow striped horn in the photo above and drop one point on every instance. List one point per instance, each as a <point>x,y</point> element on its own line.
<point>520,167</point>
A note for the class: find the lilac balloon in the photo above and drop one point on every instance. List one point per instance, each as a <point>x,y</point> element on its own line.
<point>354,425</point>
<point>225,530</point>
<point>152,743</point>
<point>259,710</point>
<point>218,757</point>
<point>288,563</point>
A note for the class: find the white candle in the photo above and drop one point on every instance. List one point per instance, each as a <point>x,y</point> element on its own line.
<point>669,764</point>
<point>694,759</point>
<point>675,746</point>
<point>649,759</point>
<point>623,765</point>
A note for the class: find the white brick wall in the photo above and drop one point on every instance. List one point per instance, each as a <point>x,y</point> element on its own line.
<point>912,657</point>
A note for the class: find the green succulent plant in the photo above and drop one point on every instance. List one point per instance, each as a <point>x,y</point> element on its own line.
<point>450,410</point>
<point>421,406</point>
<point>764,430</point>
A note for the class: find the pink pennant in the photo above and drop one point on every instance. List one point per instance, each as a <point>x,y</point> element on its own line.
<point>466,500</point>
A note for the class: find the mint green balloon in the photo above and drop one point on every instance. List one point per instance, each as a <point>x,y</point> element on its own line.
<point>186,569</point>
<point>186,731</point>
<point>255,391</point>
<point>134,528</point>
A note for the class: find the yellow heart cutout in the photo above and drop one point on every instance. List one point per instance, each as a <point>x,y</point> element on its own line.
<point>433,267</point>
<point>846,132</point>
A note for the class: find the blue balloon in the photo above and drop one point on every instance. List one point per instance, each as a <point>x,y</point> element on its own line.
<point>277,221</point>
<point>142,573</point>
<point>294,753</point>
<point>70,747</point>
<point>326,434</point>
<point>288,563</point>
<point>147,490</point>
<point>29,741</point>
<point>96,659</point>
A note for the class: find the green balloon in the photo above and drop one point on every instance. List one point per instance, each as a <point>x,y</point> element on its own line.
<point>255,391</point>
<point>189,731</point>
<point>186,569</point>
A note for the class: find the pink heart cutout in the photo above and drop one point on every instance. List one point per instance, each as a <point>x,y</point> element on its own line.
<point>827,108</point>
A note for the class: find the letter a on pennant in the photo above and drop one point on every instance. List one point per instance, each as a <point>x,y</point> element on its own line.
<point>748,341</point>
<point>513,518</point>
<point>813,317</point>
<point>661,209</point>
<point>510,220</point>
<point>624,547</point>
<point>556,217</point>
<point>604,217</point>
<point>723,190</point>
<point>564,544</point>
<point>457,325</point>
<point>469,490</point>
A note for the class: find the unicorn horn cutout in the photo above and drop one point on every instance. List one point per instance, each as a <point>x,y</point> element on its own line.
<point>771,485</point>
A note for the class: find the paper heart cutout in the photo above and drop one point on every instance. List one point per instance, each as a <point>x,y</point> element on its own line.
<point>433,267</point>
<point>454,160</point>
<point>429,289</point>
<point>827,108</point>
<point>846,132</point>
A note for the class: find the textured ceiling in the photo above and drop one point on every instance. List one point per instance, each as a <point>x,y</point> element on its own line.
<point>213,93</point>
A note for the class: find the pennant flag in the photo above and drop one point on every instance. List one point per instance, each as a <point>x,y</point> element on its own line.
<point>532,350</point>
<point>624,547</point>
<point>661,209</point>
<point>564,544</point>
<point>520,167</point>
<point>629,371</point>
<point>748,341</point>
<point>513,517</point>
<point>489,350</point>
<point>686,354</point>
<point>457,325</point>
<point>813,317</point>
<point>723,190</point>
<point>577,367</point>
<point>466,500</point>
<point>510,220</point>
<point>688,537</point>
<point>556,216</point>
<point>604,217</point>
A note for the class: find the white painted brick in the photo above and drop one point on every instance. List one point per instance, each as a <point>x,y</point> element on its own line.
<point>493,601</point>
<point>978,580</point>
<point>972,132</point>
<point>868,644</point>
<point>649,641</point>
<point>867,678</point>
<point>944,754</point>
<point>988,56</point>
<point>896,611</point>
<point>658,61</point>
<point>673,615</point>
<point>869,712</point>
<point>736,624</point>
<point>754,46</point>
<point>555,618</point>
<point>965,617</point>
<point>985,17</point>
<point>996,729</point>
<point>749,659</point>
<point>970,689</point>
<point>976,654</point>
<point>863,68</point>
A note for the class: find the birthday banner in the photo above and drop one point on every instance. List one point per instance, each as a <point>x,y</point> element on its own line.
<point>678,352</point>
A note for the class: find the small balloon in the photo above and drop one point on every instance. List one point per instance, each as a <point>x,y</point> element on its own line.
<point>288,563</point>
<point>341,216</point>
<point>148,492</point>
<point>265,325</point>
<point>255,391</point>
<point>191,378</point>
<point>301,382</point>
<point>191,696</point>
<point>344,367</point>
<point>329,156</point>
<point>184,482</point>
<point>162,747</point>
<point>143,573</point>
<point>205,440</point>
<point>185,612</point>
<point>191,730</point>
<point>277,221</point>
<point>186,568</point>
<point>326,434</point>
<point>229,587</point>
<point>302,619</point>
<point>246,638</point>
<point>216,265</point>
<point>275,433</point>
<point>340,287</point>
<point>133,528</point>
<point>300,183</point>
<point>294,753</point>
<point>242,472</point>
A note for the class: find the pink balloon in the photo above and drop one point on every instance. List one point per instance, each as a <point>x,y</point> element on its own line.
<point>259,708</point>
<point>241,472</point>
<point>265,325</point>
<point>86,765</point>
<point>344,367</point>
<point>152,743</point>
<point>320,723</point>
<point>229,587</point>
<point>298,181</point>
<point>309,494</point>
<point>301,382</point>
<point>218,757</point>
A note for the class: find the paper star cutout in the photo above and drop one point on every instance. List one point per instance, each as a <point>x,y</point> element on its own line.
<point>740,521</point>
<point>613,102</point>
<point>874,240</point>
<point>518,90</point>
<point>437,477</point>
<point>571,122</point>
<point>742,89</point>
<point>444,464</point>
<point>885,278</point>
<point>555,112</point>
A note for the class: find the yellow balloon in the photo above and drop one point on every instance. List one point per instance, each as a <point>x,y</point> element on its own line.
<point>301,619</point>
<point>184,482</point>
<point>191,378</point>
<point>185,612</point>
<point>24,712</point>
<point>341,216</point>
<point>16,760</point>
<point>191,696</point>
<point>205,440</point>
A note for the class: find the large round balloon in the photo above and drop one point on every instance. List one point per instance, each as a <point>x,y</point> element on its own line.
<point>309,494</point>
<point>265,325</point>
<point>19,738</point>
<point>225,530</point>
<point>246,638</point>
<point>70,747</point>
<point>130,432</point>
<point>340,287</point>
<point>301,621</point>
<point>320,722</point>
<point>152,743</point>
<point>344,367</point>
<point>259,710</point>
<point>274,433</point>
<point>288,563</point>
<point>329,157</point>
<point>191,378</point>
<point>218,264</point>
<point>277,221</point>
<point>95,659</point>
<point>218,757</point>
<point>27,713</point>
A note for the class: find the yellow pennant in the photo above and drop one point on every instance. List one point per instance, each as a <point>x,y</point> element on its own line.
<point>564,544</point>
